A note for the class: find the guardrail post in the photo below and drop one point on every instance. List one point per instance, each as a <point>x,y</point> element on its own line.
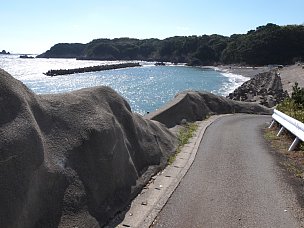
<point>272,123</point>
<point>280,131</point>
<point>294,144</point>
<point>294,126</point>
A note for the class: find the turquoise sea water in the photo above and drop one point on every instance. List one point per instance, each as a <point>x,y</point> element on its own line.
<point>145,88</point>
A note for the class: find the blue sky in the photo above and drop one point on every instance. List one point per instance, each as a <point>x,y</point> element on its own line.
<point>33,26</point>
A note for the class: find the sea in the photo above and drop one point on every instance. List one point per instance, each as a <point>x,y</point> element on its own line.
<point>146,88</point>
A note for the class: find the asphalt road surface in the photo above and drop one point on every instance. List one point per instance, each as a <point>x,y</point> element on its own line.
<point>233,182</point>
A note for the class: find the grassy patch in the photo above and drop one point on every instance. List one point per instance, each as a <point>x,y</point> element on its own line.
<point>292,109</point>
<point>293,160</point>
<point>183,136</point>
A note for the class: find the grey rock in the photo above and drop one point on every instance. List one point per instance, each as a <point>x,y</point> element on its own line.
<point>261,86</point>
<point>193,106</point>
<point>74,159</point>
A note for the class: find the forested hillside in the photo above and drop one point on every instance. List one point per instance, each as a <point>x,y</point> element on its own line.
<point>269,44</point>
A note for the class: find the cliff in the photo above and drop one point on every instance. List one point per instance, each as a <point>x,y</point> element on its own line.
<point>73,159</point>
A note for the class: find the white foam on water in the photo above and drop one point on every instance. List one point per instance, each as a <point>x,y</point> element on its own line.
<point>235,80</point>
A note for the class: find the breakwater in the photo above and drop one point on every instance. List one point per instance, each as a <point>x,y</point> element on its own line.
<point>90,69</point>
<point>265,88</point>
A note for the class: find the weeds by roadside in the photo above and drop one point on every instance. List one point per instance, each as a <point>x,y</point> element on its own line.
<point>294,160</point>
<point>183,136</point>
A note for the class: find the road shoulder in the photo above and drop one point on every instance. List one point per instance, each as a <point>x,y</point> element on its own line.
<point>150,201</point>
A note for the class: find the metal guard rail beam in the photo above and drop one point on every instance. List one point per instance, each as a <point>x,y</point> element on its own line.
<point>294,126</point>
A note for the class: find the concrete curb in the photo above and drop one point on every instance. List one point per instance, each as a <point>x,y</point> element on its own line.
<point>150,201</point>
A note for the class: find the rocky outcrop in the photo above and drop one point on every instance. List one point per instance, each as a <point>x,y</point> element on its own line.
<point>193,106</point>
<point>75,159</point>
<point>160,64</point>
<point>4,52</point>
<point>91,69</point>
<point>265,89</point>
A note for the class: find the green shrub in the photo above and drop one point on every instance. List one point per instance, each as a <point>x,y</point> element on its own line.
<point>298,95</point>
<point>294,106</point>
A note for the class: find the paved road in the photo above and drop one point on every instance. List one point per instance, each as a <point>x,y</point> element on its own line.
<point>233,182</point>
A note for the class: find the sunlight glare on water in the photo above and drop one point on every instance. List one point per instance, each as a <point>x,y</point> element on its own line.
<point>145,88</point>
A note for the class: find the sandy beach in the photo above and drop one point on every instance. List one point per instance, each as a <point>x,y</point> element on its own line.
<point>245,71</point>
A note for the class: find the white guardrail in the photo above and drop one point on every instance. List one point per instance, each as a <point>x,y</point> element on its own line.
<point>294,126</point>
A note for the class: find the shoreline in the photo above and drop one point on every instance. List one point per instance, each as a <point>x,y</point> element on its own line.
<point>237,75</point>
<point>249,72</point>
<point>289,74</point>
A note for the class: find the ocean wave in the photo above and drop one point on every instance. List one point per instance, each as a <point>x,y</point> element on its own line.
<point>235,80</point>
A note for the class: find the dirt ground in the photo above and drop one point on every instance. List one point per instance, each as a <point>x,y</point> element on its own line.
<point>291,161</point>
<point>290,75</point>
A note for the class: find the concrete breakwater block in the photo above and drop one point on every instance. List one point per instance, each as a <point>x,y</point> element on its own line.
<point>91,69</point>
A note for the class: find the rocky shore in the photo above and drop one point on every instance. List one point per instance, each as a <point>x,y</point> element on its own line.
<point>90,69</point>
<point>267,85</point>
<point>77,159</point>
<point>264,88</point>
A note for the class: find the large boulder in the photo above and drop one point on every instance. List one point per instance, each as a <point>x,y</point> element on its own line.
<point>193,106</point>
<point>74,159</point>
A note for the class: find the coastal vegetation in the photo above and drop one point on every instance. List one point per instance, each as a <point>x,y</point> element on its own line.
<point>268,44</point>
<point>293,160</point>
<point>294,106</point>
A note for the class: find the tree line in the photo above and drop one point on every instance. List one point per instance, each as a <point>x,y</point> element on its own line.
<point>268,44</point>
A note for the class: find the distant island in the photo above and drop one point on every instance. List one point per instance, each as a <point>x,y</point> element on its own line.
<point>3,52</point>
<point>268,44</point>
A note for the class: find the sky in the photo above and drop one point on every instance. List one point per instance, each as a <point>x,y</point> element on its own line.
<point>34,26</point>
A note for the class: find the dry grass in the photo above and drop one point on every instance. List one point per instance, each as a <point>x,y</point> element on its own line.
<point>294,160</point>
